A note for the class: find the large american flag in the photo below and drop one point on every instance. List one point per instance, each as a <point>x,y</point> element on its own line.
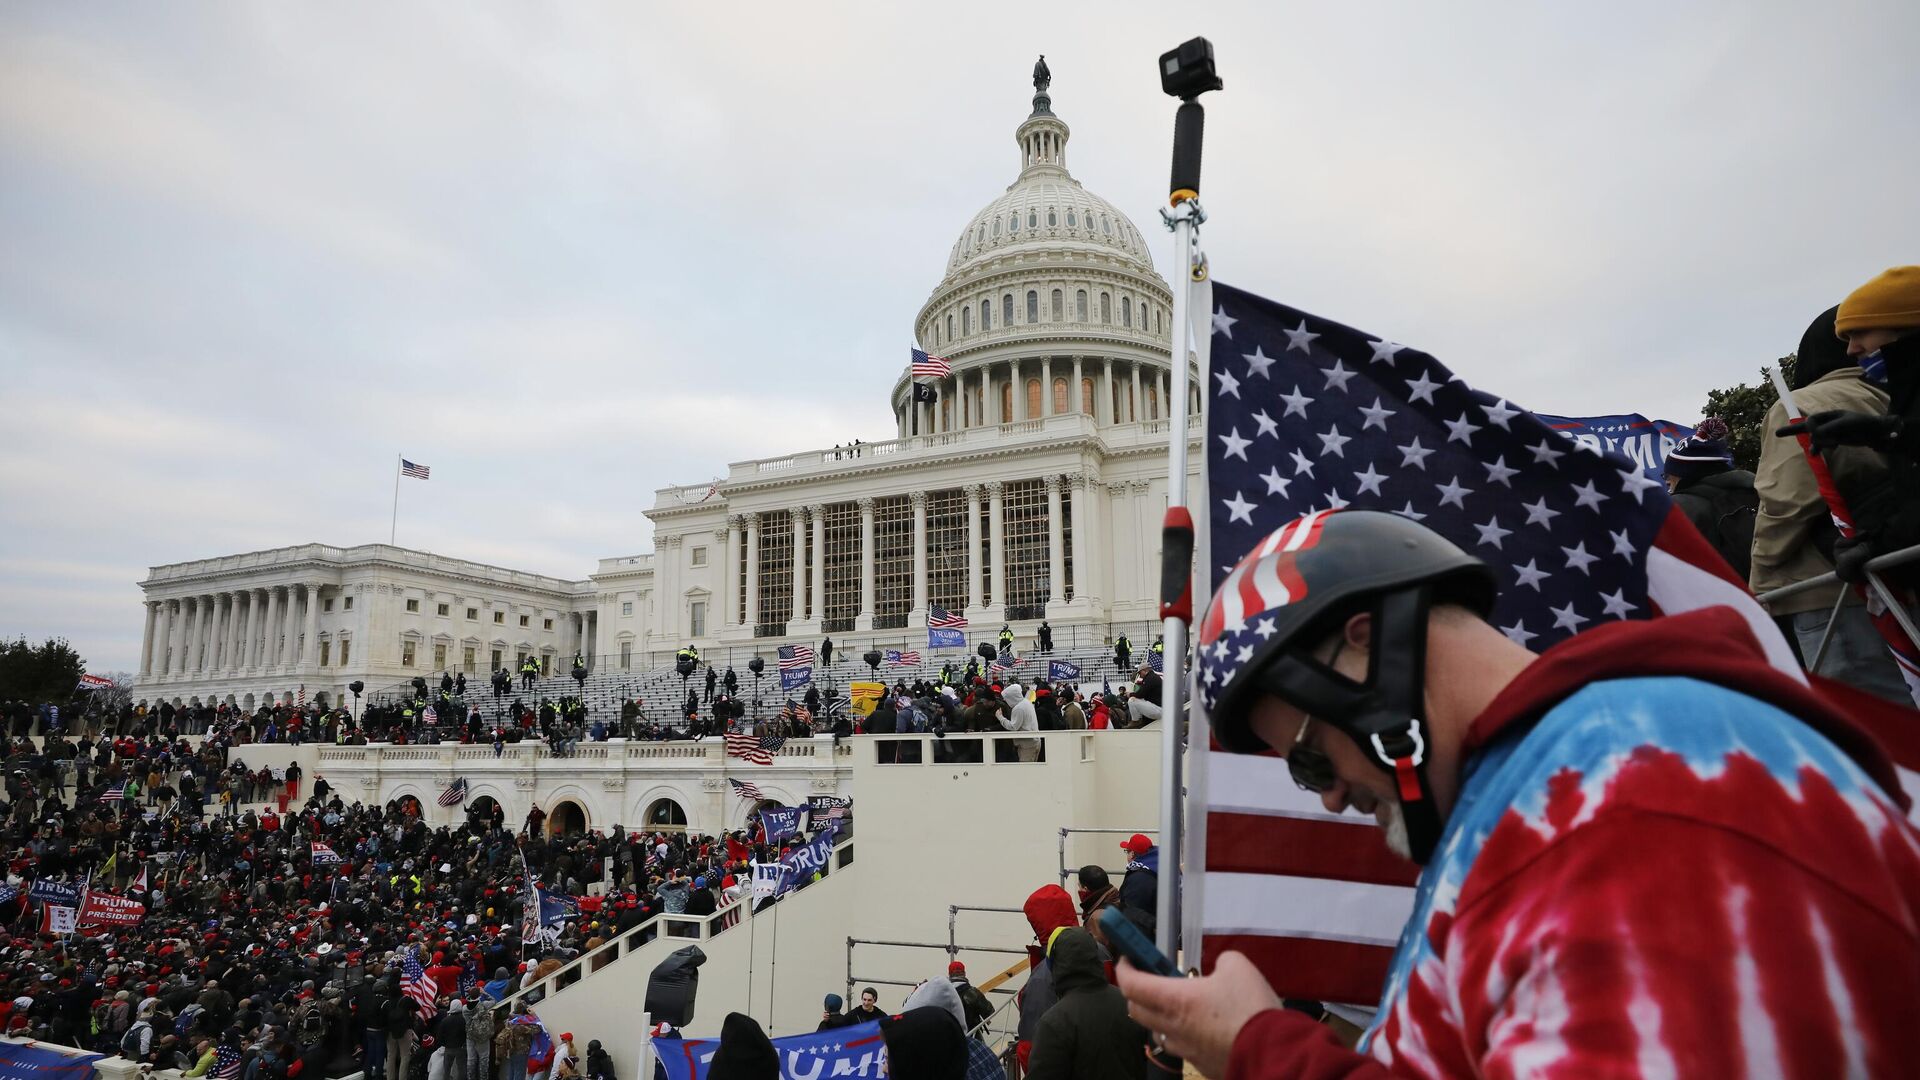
<point>746,789</point>
<point>939,618</point>
<point>795,657</point>
<point>226,1062</point>
<point>418,472</point>
<point>455,794</point>
<point>1304,415</point>
<point>753,748</point>
<point>415,984</point>
<point>930,367</point>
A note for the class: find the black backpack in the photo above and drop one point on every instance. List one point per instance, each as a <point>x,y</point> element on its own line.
<point>1731,510</point>
<point>130,1042</point>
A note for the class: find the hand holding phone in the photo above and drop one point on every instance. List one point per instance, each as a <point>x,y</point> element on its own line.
<point>1132,944</point>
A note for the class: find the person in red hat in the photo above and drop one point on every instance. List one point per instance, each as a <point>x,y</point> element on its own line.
<point>975,1003</point>
<point>1140,889</point>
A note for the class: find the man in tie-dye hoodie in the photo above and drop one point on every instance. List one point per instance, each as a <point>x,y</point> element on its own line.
<point>1647,851</point>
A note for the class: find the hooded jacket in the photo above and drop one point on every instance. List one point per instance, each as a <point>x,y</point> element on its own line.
<point>745,1051</point>
<point>1048,910</point>
<point>1087,1035</point>
<point>1021,715</point>
<point>926,1043</point>
<point>1664,851</point>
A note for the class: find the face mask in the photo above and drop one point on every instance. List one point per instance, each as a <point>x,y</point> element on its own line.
<point>1873,368</point>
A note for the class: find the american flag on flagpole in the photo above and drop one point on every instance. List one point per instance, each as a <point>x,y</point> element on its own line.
<point>113,794</point>
<point>455,794</point>
<point>746,789</point>
<point>939,618</point>
<point>754,748</point>
<point>418,472</point>
<point>1004,662</point>
<point>903,657</point>
<point>415,984</point>
<point>795,657</point>
<point>930,367</point>
<point>1307,415</point>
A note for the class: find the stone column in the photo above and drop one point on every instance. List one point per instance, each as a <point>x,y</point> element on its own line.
<point>864,621</point>
<point>1103,400</point>
<point>1074,397</point>
<point>996,545</point>
<point>248,654</point>
<point>175,629</point>
<point>270,640</point>
<point>919,614</point>
<point>1056,542</point>
<point>1133,404</point>
<point>1166,394</point>
<point>196,629</point>
<point>753,570</point>
<point>289,626</point>
<point>217,649</point>
<point>1046,386</point>
<point>310,648</point>
<point>1082,519</point>
<point>1019,381</point>
<point>973,547</point>
<point>819,610</point>
<point>147,637</point>
<point>730,582</point>
<point>799,518</point>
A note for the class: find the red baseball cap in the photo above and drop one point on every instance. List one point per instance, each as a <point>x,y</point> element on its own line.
<point>1138,844</point>
<point>956,968</point>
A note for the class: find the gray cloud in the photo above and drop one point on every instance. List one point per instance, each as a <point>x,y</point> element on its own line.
<point>578,253</point>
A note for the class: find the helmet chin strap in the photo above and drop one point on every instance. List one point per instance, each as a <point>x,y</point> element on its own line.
<point>1396,737</point>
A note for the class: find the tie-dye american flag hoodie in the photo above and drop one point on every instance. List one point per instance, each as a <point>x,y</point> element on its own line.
<point>1667,858</point>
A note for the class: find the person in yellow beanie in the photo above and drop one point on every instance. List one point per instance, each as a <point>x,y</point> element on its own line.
<point>1880,322</point>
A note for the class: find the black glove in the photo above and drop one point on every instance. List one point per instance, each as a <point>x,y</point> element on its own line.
<point>1850,557</point>
<point>1837,428</point>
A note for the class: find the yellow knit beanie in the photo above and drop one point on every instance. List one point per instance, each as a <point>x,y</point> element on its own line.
<point>1888,302</point>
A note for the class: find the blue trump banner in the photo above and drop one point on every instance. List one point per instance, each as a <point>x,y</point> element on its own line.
<point>26,1062</point>
<point>795,678</point>
<point>1642,441</point>
<point>781,822</point>
<point>940,638</point>
<point>849,1051</point>
<point>802,863</point>
<point>1062,670</point>
<point>54,892</point>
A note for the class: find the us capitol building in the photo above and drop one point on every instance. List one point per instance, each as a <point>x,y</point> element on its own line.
<point>1031,487</point>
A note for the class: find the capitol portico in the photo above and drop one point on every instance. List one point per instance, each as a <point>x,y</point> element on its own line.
<point>1030,487</point>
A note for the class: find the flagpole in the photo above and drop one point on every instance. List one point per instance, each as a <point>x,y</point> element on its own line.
<point>393,527</point>
<point>1177,569</point>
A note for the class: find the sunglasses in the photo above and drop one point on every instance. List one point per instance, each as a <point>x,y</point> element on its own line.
<point>1312,770</point>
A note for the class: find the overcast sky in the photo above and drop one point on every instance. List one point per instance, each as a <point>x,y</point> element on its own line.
<point>569,253</point>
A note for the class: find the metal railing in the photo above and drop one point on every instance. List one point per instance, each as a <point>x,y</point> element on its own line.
<point>1875,584</point>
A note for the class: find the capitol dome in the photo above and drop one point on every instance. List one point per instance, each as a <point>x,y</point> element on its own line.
<point>1049,296</point>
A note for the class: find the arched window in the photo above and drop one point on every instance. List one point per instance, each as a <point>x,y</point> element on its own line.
<point>986,315</point>
<point>980,237</point>
<point>1006,402</point>
<point>1059,306</point>
<point>996,227</point>
<point>1086,395</point>
<point>1072,221</point>
<point>966,320</point>
<point>949,326</point>
<point>1033,219</point>
<point>1156,320</point>
<point>1006,310</point>
<point>1033,398</point>
<point>1060,395</point>
<point>1033,306</point>
<point>1013,222</point>
<point>1080,305</point>
<point>1153,400</point>
<point>1106,225</point>
<point>1106,308</point>
<point>1053,218</point>
<point>1126,312</point>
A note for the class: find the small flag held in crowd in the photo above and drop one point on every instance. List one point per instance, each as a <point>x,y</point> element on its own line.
<point>113,794</point>
<point>1157,660</point>
<point>904,658</point>
<point>746,789</point>
<point>930,367</point>
<point>1006,661</point>
<point>1062,670</point>
<point>324,855</point>
<point>455,794</point>
<point>408,468</point>
<point>414,982</point>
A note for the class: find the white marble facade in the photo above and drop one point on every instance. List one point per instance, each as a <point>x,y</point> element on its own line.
<point>1033,486</point>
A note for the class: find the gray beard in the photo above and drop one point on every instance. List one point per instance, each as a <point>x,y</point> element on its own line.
<point>1396,830</point>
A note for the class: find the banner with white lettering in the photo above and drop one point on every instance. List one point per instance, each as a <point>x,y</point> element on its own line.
<point>1645,442</point>
<point>766,879</point>
<point>943,638</point>
<point>55,892</point>
<point>61,919</point>
<point>110,909</point>
<point>849,1051</point>
<point>804,862</point>
<point>781,822</point>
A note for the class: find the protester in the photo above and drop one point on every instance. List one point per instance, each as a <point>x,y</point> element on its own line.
<point>1049,910</point>
<point>830,1014</point>
<point>1087,1034</point>
<point>1794,534</point>
<point>972,1001</point>
<point>1716,497</point>
<point>1646,845</point>
<point>745,1051</point>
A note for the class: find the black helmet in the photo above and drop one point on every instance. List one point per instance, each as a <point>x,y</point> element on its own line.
<point>1301,584</point>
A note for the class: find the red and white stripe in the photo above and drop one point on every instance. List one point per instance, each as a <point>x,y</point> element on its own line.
<point>1265,579</point>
